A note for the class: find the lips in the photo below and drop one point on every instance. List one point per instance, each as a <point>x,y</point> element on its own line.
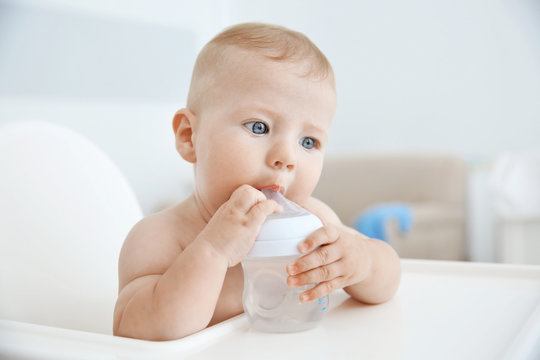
<point>273,187</point>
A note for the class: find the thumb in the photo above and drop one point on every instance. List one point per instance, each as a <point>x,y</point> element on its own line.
<point>262,209</point>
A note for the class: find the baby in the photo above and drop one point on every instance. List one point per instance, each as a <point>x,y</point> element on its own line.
<point>261,101</point>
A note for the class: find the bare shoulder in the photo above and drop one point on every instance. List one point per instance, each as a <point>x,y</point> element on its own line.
<point>153,244</point>
<point>323,211</point>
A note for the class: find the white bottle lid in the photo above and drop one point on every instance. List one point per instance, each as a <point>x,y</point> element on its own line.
<point>282,232</point>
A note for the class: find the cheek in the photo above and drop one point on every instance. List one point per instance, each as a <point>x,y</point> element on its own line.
<point>306,181</point>
<point>221,168</point>
<point>213,185</point>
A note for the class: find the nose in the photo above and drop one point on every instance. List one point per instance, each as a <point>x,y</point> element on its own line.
<point>282,156</point>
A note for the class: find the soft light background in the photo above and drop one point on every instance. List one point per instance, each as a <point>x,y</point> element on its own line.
<point>451,76</point>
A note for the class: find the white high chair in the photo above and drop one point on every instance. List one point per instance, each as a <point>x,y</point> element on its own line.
<point>65,209</point>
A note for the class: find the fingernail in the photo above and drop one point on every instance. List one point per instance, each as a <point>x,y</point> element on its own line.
<point>293,281</point>
<point>303,247</point>
<point>292,269</point>
<point>304,298</point>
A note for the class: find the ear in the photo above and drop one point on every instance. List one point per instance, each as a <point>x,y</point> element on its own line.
<point>183,123</point>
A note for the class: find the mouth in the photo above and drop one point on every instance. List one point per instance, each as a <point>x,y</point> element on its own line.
<point>273,187</point>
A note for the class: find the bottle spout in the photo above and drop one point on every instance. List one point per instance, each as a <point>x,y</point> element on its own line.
<point>289,208</point>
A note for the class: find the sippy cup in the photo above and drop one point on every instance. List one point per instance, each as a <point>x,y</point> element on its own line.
<point>270,304</point>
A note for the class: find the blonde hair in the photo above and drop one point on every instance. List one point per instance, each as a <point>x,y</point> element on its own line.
<point>274,42</point>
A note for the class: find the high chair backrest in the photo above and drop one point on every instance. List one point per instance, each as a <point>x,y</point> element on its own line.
<point>65,209</point>
<point>349,184</point>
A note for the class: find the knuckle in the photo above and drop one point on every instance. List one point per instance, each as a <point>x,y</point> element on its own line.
<point>303,267</point>
<point>324,272</point>
<point>229,208</point>
<point>244,190</point>
<point>238,191</point>
<point>307,278</point>
<point>331,231</point>
<point>329,285</point>
<point>323,254</point>
<point>245,187</point>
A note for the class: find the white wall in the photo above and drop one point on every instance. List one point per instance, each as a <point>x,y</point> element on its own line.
<point>460,76</point>
<point>457,76</point>
<point>115,72</point>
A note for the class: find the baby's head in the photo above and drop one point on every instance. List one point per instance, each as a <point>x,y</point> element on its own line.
<point>260,104</point>
<point>263,41</point>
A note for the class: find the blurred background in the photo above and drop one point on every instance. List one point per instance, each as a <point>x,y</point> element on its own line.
<point>419,78</point>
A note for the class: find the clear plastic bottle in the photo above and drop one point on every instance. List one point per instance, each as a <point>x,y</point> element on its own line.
<point>269,303</point>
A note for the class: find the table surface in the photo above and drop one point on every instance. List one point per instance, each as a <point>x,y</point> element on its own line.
<point>442,310</point>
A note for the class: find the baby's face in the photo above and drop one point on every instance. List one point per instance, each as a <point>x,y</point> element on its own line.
<point>262,125</point>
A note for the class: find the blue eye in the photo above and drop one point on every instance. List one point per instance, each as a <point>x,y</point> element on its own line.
<point>308,142</point>
<point>257,127</point>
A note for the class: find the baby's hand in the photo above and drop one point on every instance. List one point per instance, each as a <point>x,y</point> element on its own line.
<point>341,260</point>
<point>235,225</point>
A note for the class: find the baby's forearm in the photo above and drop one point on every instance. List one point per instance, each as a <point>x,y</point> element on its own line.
<point>177,303</point>
<point>383,280</point>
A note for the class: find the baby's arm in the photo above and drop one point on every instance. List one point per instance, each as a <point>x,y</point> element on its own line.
<point>168,293</point>
<point>367,269</point>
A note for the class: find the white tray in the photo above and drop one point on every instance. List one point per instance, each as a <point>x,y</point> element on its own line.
<point>443,310</point>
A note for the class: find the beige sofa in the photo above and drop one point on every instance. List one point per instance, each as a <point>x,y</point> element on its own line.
<point>434,185</point>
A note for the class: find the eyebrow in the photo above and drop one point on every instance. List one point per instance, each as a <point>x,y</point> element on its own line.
<point>260,109</point>
<point>320,132</point>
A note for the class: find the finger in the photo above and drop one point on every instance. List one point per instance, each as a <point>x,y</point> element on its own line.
<point>245,197</point>
<point>262,209</point>
<point>324,255</point>
<point>322,289</point>
<point>325,235</point>
<point>317,275</point>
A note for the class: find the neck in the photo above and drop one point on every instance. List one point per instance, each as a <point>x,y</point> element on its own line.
<point>200,211</point>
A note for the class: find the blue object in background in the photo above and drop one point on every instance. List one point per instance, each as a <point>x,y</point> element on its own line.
<point>372,222</point>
